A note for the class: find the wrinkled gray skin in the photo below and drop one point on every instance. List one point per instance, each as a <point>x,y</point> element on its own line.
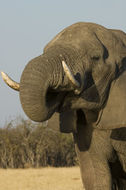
<point>97,116</point>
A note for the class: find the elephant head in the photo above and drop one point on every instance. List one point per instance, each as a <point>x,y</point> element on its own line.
<point>43,83</point>
<point>74,72</point>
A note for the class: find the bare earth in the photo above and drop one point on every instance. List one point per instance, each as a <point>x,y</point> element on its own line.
<point>41,179</point>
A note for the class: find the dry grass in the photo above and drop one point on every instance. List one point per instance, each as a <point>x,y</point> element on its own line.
<point>41,179</point>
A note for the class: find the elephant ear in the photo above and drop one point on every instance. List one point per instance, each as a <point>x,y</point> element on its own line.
<point>114,113</point>
<point>68,121</point>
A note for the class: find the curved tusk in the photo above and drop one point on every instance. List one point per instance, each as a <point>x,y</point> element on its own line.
<point>10,82</point>
<point>71,78</point>
<point>70,75</point>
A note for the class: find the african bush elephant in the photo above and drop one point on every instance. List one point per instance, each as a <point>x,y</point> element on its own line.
<point>81,74</point>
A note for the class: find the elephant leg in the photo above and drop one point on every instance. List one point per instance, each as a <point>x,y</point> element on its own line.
<point>120,172</point>
<point>91,147</point>
<point>119,175</point>
<point>118,141</point>
<point>119,184</point>
<point>95,173</point>
<point>122,184</point>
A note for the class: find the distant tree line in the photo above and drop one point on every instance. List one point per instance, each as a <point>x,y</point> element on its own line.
<point>27,144</point>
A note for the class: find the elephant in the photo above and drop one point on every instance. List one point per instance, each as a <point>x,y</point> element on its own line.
<point>81,75</point>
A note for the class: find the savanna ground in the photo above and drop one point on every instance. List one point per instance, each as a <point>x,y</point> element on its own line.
<point>41,179</point>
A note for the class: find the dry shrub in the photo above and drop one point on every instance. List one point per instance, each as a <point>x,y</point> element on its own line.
<point>25,144</point>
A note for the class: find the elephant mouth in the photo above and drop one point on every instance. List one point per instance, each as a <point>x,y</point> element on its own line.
<point>51,97</point>
<point>55,99</point>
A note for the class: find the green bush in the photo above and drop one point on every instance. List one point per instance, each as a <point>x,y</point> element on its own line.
<point>27,144</point>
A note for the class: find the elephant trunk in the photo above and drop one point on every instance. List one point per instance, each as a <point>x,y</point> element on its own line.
<point>44,84</point>
<point>38,96</point>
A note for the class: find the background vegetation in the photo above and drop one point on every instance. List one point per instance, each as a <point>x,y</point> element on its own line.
<point>26,144</point>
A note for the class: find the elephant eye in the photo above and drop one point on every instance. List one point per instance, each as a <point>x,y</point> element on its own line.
<point>95,58</point>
